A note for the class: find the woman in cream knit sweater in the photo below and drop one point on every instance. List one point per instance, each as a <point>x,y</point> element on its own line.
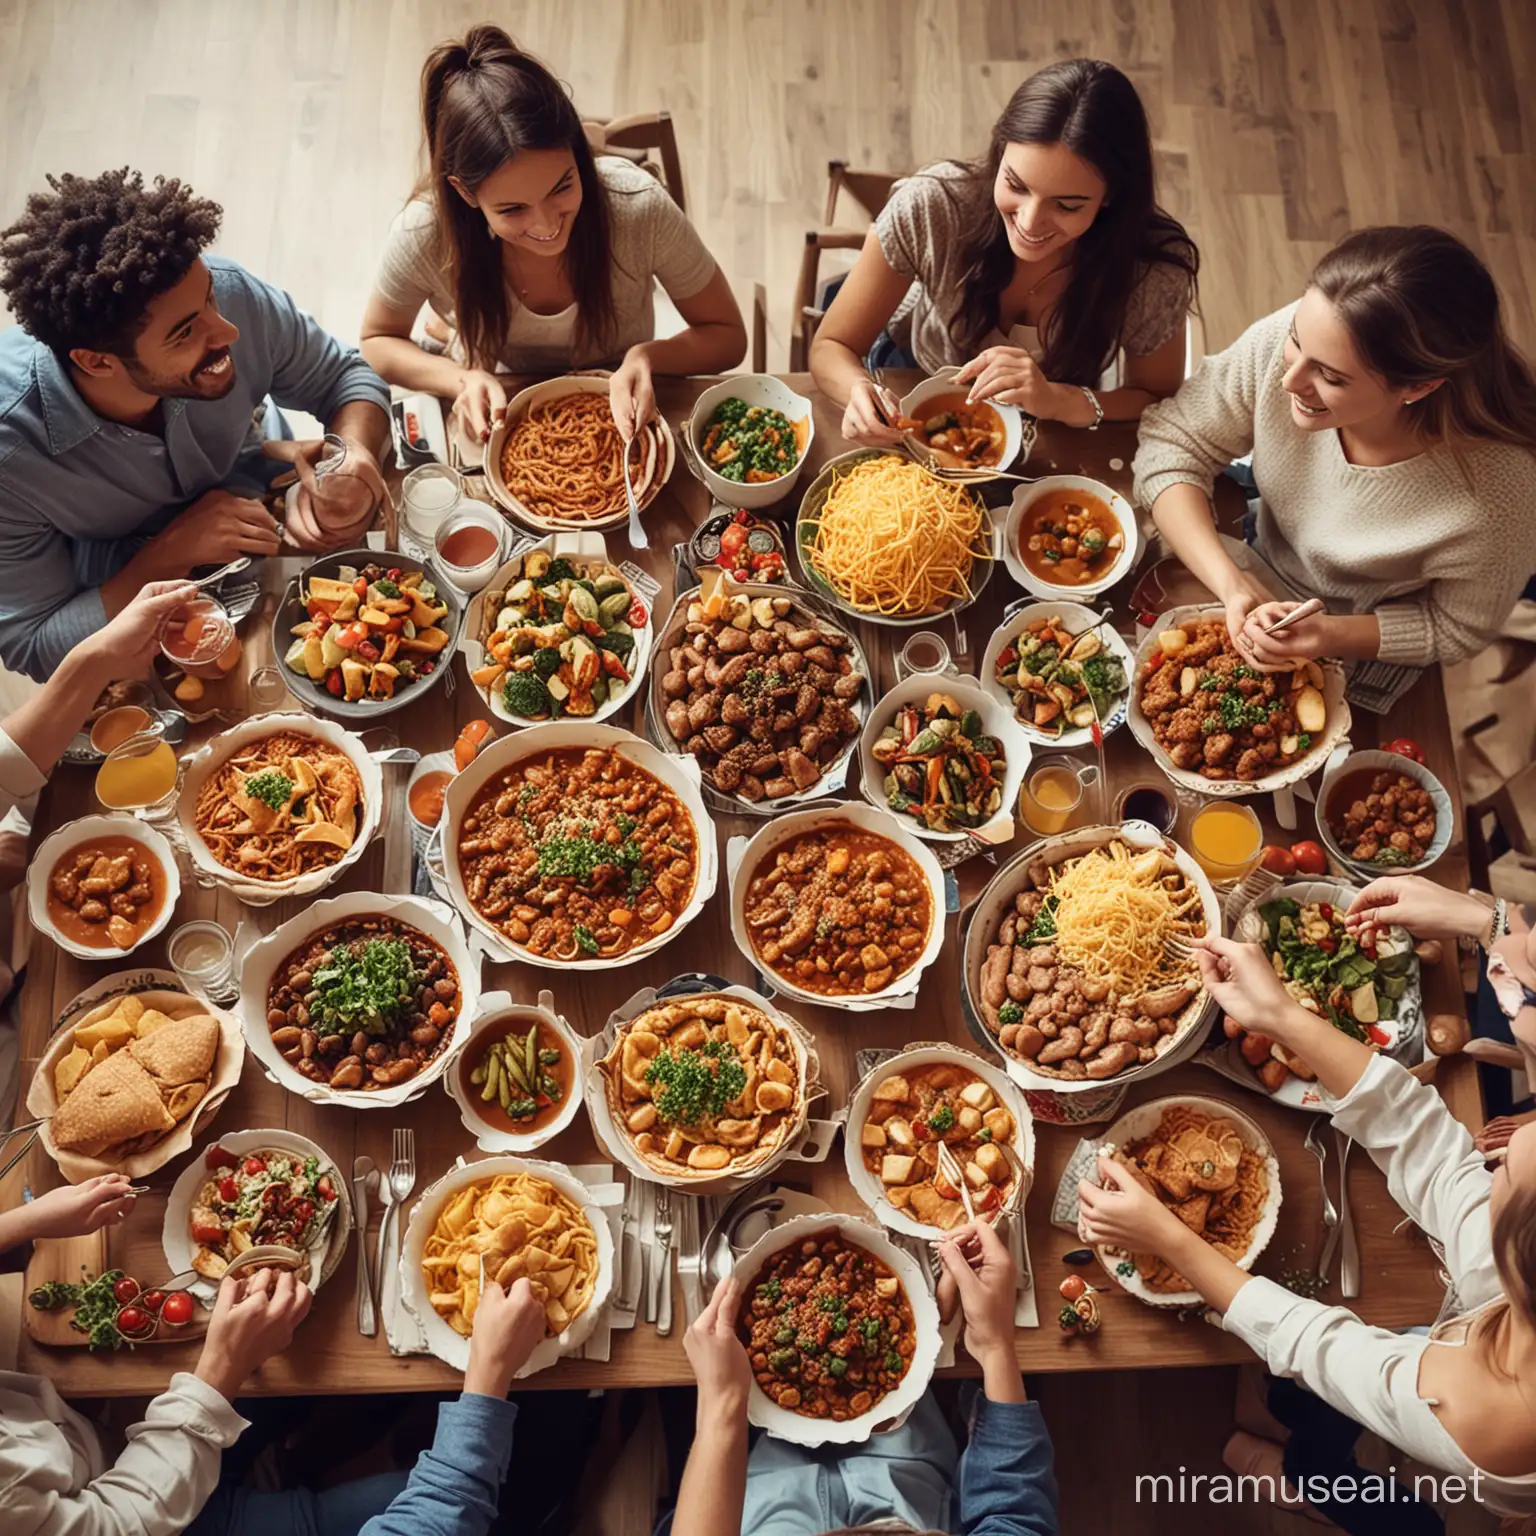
<point>1393,432</point>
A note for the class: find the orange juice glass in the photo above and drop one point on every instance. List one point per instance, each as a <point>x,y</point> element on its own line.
<point>196,636</point>
<point>139,775</point>
<point>1226,839</point>
<point>1052,797</point>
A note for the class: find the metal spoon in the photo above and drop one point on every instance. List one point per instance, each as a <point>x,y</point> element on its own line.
<point>396,755</point>
<point>638,538</point>
<point>239,563</point>
<point>1319,1149</point>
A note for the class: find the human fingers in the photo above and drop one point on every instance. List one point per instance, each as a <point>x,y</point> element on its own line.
<point>990,1243</point>
<point>495,399</point>
<point>473,406</point>
<point>965,1278</point>
<point>258,1284</point>
<point>729,1304</point>
<point>998,375</point>
<point>289,450</point>
<point>1116,1176</point>
<point>644,399</point>
<point>621,403</point>
<point>971,369</point>
<point>706,1319</point>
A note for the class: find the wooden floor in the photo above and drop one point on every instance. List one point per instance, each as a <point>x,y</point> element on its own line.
<point>1279,124</point>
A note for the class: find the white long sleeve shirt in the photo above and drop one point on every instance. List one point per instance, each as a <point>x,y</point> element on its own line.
<point>1372,1374</point>
<point>55,1479</point>
<point>20,777</point>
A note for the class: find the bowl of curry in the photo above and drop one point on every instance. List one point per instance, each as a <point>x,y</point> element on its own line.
<point>839,906</point>
<point>578,846</point>
<point>1067,536</point>
<point>102,886</point>
<point>839,1327</point>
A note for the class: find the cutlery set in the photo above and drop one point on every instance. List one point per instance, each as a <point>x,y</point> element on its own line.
<point>1338,1221</point>
<point>378,1290</point>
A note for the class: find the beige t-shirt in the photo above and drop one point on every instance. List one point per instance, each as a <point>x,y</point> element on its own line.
<point>920,236</point>
<point>652,242</point>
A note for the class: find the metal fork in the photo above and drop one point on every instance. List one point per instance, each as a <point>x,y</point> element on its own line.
<point>1349,1259</point>
<point>949,1166</point>
<point>395,1188</point>
<point>1319,1149</point>
<point>664,1259</point>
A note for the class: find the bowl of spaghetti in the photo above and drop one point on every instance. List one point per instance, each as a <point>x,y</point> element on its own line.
<point>279,806</point>
<point>886,541</point>
<point>557,460</point>
<point>1212,1166</point>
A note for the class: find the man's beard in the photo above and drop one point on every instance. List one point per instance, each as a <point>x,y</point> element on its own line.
<point>197,385</point>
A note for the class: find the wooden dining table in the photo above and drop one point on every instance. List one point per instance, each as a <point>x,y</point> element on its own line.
<point>1399,1272</point>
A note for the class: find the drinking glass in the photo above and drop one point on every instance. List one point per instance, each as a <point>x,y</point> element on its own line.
<point>203,955</point>
<point>1052,798</point>
<point>140,775</point>
<point>428,494</point>
<point>1226,839</point>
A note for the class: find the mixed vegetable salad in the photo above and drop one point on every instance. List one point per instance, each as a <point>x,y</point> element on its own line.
<point>943,770</point>
<point>749,443</point>
<point>1060,681</point>
<point>268,1196</point>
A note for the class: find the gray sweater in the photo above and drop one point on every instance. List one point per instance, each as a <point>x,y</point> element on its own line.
<point>1437,552</point>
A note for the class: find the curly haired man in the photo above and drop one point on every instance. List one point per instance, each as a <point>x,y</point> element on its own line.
<point>135,395</point>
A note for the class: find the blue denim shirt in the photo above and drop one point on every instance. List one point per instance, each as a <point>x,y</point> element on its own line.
<point>1003,1485</point>
<point>79,494</point>
<point>456,1485</point>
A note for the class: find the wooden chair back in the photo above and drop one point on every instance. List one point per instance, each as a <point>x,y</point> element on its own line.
<point>871,190</point>
<point>808,310</point>
<point>648,139</point>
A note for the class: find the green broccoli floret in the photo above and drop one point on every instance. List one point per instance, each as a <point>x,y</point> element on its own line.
<point>525,694</point>
<point>615,640</point>
<point>1010,1013</point>
<point>546,661</point>
<point>559,570</point>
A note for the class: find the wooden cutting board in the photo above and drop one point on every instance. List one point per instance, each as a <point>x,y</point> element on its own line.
<point>72,1259</point>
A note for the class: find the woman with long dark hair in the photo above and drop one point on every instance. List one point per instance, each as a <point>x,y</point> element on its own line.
<point>1392,425</point>
<point>1034,268</point>
<point>540,256</point>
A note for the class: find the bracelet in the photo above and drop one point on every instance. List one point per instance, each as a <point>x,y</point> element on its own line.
<point>1498,924</point>
<point>1098,410</point>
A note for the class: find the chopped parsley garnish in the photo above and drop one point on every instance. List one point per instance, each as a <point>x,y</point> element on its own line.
<point>689,1084</point>
<point>892,1361</point>
<point>386,588</point>
<point>1208,683</point>
<point>586,938</point>
<point>271,788</point>
<point>772,1289</point>
<point>1236,711</point>
<point>1304,741</point>
<point>578,856</point>
<point>1125,1269</point>
<point>364,985</point>
<point>941,1120</point>
<point>1043,929</point>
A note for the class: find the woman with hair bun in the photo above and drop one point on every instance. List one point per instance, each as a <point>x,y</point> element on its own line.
<point>540,256</point>
<point>1392,425</point>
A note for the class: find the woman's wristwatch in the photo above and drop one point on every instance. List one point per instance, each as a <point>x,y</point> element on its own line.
<point>1098,410</point>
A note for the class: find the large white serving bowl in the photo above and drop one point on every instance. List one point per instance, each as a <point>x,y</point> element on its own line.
<point>1027,495</point>
<point>453,1348</point>
<point>760,389</point>
<point>263,959</point>
<point>679,774</point>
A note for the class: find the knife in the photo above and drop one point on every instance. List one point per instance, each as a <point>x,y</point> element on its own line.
<point>1349,1261</point>
<point>630,1268</point>
<point>364,1177</point>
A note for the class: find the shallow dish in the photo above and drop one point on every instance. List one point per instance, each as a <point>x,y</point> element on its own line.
<point>1076,619</point>
<point>263,959</point>
<point>291,611</point>
<point>1027,495</point>
<point>1344,761</point>
<point>786,828</point>
<point>997,722</point>
<point>1143,1121</point>
<point>73,835</point>
<point>453,1348</point>
<point>649,470</point>
<point>869,1187</point>
<point>1012,418</point>
<point>759,389</point>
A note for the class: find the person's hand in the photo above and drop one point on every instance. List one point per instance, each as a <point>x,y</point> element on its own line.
<point>1125,1214</point>
<point>253,1319</point>
<point>718,1357</point>
<point>73,1210</point>
<point>1496,1134</point>
<point>983,1270</point>
<point>861,418</point>
<point>217,527</point>
<point>1426,910</point>
<point>480,405</point>
<point>334,513</point>
<point>126,646</point>
<point>1305,640</point>
<point>1244,593</point>
<point>13,870</point>
<point>509,1326</point>
<point>1242,980</point>
<point>1010,376</point>
<point>631,393</point>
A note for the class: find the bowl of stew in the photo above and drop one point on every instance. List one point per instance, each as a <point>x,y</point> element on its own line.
<point>839,905</point>
<point>578,846</point>
<point>102,886</point>
<point>1379,813</point>
<point>506,1104</point>
<point>839,1327</point>
<point>1069,536</point>
<point>985,435</point>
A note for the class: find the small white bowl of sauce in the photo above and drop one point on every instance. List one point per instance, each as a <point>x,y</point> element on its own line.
<point>468,547</point>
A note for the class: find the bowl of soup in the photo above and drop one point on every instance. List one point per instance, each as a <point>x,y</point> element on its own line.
<point>517,1078</point>
<point>984,435</point>
<point>1069,536</point>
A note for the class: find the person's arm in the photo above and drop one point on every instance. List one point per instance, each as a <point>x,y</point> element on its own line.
<point>44,609</point>
<point>714,1485</point>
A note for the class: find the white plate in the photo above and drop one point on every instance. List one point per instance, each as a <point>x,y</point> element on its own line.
<point>1143,1121</point>
<point>997,721</point>
<point>453,1348</point>
<point>578,545</point>
<point>175,1232</point>
<point>1234,789</point>
<point>72,835</point>
<point>797,1427</point>
<point>1027,495</point>
<point>784,829</point>
<point>202,765</point>
<point>996,900</point>
<point>868,1187</point>
<point>1344,761</point>
<point>263,959</point>
<point>1076,619</point>
<point>680,775</point>
<point>943,383</point>
<point>756,389</point>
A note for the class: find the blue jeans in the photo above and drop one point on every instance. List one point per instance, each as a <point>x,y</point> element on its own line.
<point>339,1511</point>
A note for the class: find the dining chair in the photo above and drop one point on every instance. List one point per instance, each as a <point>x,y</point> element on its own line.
<point>871,190</point>
<point>638,139</point>
<point>810,294</point>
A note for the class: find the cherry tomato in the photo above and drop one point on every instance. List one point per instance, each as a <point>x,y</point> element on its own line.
<point>229,1191</point>
<point>393,573</point>
<point>1327,946</point>
<point>303,1213</point>
<point>1310,858</point>
<point>152,1301</point>
<point>255,1165</point>
<point>741,516</point>
<point>1405,746</point>
<point>733,539</point>
<point>217,1157</point>
<point>367,650</point>
<point>741,573</point>
<point>325,1188</point>
<point>134,1323</point>
<point>1325,911</point>
<point>428,668</point>
<point>1278,861</point>
<point>124,1291</point>
<point>637,614</point>
<point>334,684</point>
<point>1073,1287</point>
